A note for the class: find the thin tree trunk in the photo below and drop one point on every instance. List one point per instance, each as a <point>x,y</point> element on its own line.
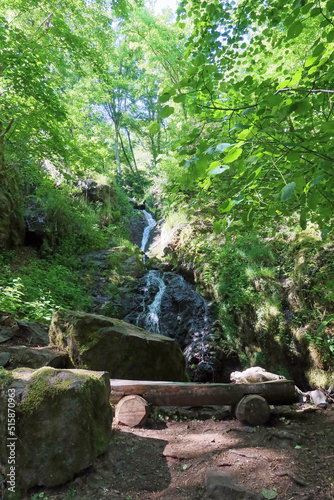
<point>118,160</point>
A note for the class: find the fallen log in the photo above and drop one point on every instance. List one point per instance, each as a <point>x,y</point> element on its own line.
<point>279,392</point>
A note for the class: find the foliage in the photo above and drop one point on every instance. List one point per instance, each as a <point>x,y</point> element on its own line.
<point>36,290</point>
<point>261,84</point>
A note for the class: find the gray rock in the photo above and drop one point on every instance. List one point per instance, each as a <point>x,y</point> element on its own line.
<point>36,357</point>
<point>4,358</point>
<point>220,486</point>
<point>127,352</point>
<point>35,333</point>
<point>63,422</point>
<point>7,334</point>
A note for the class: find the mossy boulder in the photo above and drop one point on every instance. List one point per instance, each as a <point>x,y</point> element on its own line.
<point>62,423</point>
<point>126,351</point>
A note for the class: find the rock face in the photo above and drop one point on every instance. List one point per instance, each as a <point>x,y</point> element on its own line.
<point>125,351</point>
<point>166,304</point>
<point>63,422</point>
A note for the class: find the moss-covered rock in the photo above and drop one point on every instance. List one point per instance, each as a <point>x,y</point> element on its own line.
<point>124,350</point>
<point>62,423</point>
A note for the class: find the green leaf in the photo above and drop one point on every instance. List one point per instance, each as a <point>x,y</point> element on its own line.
<point>166,111</point>
<point>269,494</point>
<point>313,199</point>
<point>164,98</point>
<point>295,29</point>
<point>324,323</point>
<point>216,226</point>
<point>221,147</point>
<point>233,155</point>
<point>302,219</point>
<point>154,128</point>
<point>179,98</point>
<point>310,60</point>
<point>327,127</point>
<point>219,170</point>
<point>330,37</point>
<point>316,180</point>
<point>330,5</point>
<point>287,191</point>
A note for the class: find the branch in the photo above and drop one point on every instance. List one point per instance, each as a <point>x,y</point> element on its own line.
<point>309,91</point>
<point>229,109</point>
<point>4,132</point>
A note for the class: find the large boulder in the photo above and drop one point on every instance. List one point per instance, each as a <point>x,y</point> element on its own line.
<point>126,351</point>
<point>56,422</point>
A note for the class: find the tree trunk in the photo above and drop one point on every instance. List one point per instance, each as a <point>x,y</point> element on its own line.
<point>280,392</point>
<point>11,206</point>
<point>118,159</point>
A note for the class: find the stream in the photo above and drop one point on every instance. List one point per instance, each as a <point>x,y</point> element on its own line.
<point>165,303</point>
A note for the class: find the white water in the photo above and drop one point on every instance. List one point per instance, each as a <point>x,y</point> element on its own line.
<point>151,223</point>
<point>151,311</point>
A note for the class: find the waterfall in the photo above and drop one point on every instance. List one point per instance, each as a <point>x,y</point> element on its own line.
<point>165,303</point>
<point>151,223</point>
<point>149,317</point>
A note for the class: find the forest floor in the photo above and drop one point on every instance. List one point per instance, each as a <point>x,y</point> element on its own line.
<point>290,458</point>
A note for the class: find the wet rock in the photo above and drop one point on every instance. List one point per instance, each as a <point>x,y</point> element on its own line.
<point>136,227</point>
<point>167,304</point>
<point>125,351</point>
<point>63,423</point>
<point>220,486</point>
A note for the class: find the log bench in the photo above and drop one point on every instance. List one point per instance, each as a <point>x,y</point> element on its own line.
<point>251,401</point>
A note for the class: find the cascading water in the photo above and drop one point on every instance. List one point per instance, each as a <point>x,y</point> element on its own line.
<point>151,223</point>
<point>149,317</point>
<point>165,303</point>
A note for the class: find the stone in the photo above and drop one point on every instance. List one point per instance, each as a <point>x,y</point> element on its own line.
<point>126,351</point>
<point>35,333</point>
<point>221,486</point>
<point>36,357</point>
<point>4,358</point>
<point>63,423</point>
<point>253,375</point>
<point>6,334</point>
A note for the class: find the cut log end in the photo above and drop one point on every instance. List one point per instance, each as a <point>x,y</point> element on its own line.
<point>132,411</point>
<point>253,410</point>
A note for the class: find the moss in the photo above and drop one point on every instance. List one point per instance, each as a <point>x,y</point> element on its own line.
<point>5,377</point>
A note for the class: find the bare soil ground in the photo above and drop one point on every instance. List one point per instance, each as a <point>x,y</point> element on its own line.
<point>291,458</point>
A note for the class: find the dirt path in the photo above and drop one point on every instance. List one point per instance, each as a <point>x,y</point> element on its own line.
<point>291,458</point>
